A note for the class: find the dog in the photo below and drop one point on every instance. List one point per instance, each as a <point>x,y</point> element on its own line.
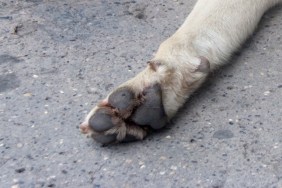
<point>211,33</point>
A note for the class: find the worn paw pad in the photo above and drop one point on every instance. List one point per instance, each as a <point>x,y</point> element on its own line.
<point>121,99</point>
<point>151,112</point>
<point>104,139</point>
<point>101,120</point>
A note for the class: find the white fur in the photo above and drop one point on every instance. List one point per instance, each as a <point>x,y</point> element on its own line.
<point>214,29</point>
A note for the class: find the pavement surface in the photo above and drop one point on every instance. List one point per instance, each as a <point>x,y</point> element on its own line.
<point>58,58</point>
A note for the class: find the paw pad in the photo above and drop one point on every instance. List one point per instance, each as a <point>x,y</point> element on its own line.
<point>128,116</point>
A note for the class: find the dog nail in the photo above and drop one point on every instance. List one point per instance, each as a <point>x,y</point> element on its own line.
<point>84,128</point>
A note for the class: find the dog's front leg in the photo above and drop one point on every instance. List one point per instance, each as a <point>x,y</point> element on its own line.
<point>208,37</point>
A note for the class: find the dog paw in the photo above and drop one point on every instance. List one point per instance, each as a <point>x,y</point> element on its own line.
<point>145,102</point>
<point>126,115</point>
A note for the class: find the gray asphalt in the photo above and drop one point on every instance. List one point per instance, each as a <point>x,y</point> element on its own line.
<point>58,58</point>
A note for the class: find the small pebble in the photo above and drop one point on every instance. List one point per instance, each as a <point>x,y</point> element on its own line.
<point>162,173</point>
<point>28,94</point>
<point>19,145</point>
<point>61,141</point>
<point>128,161</point>
<point>173,167</point>
<point>20,170</point>
<point>266,93</point>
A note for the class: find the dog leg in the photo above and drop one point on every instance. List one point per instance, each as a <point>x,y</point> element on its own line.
<point>207,38</point>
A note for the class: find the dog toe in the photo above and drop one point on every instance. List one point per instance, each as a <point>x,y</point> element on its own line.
<point>151,112</point>
<point>101,121</point>
<point>123,100</point>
